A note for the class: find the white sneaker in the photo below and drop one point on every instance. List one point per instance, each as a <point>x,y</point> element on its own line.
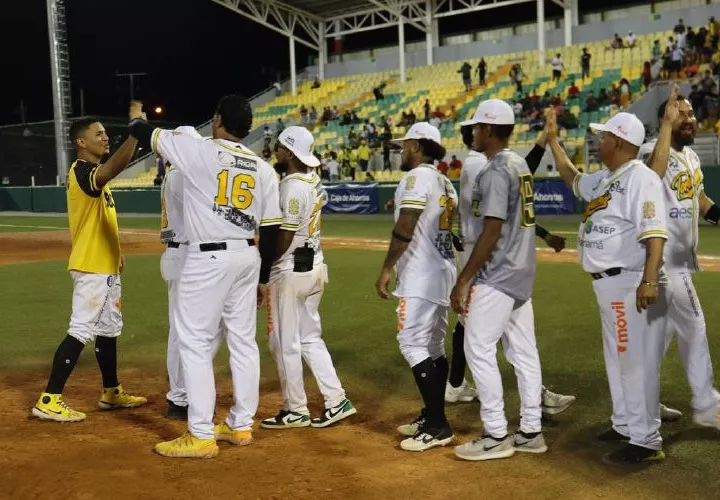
<point>463,394</point>
<point>529,445</point>
<point>553,403</point>
<point>427,438</point>
<point>409,430</point>
<point>668,414</point>
<point>709,418</point>
<point>486,448</point>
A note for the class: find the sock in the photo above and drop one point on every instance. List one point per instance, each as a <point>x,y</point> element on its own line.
<point>441,365</point>
<point>106,355</point>
<point>457,369</point>
<point>529,435</point>
<point>432,390</point>
<point>66,357</point>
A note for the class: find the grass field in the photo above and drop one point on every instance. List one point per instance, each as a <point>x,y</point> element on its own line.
<point>357,459</point>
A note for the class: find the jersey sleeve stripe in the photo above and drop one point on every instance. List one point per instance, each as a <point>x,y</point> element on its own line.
<point>93,184</point>
<point>270,222</point>
<point>155,136</point>
<point>653,233</point>
<point>413,202</point>
<point>576,181</point>
<point>289,227</point>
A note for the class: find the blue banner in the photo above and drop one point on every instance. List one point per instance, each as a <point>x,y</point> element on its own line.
<point>553,197</point>
<point>351,199</point>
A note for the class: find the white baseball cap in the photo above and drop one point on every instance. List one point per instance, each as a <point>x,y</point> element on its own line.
<point>299,140</point>
<point>626,126</point>
<point>492,112</point>
<point>421,130</point>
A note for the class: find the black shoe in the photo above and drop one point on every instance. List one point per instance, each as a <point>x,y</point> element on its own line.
<point>611,436</point>
<point>176,412</point>
<point>631,454</point>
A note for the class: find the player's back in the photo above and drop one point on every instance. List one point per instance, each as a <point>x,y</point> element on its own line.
<point>505,190</point>
<point>427,268</point>
<point>474,164</point>
<point>302,195</point>
<point>93,222</point>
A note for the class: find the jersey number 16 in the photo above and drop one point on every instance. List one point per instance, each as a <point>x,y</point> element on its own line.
<point>241,196</point>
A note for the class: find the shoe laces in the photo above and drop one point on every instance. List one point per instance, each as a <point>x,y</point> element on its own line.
<point>65,406</point>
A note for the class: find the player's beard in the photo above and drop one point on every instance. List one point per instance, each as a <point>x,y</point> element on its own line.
<point>281,168</point>
<point>684,136</point>
<point>406,167</point>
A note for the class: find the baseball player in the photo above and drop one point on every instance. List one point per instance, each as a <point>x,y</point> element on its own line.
<point>229,194</point>
<point>296,286</point>
<point>685,199</point>
<point>457,388</point>
<point>620,243</point>
<point>95,265</point>
<point>494,288</point>
<point>421,251</point>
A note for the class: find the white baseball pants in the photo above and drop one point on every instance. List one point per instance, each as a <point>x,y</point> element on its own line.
<point>492,316</point>
<point>295,333</point>
<point>96,304</point>
<point>219,287</point>
<point>422,326</point>
<point>686,318</point>
<point>633,347</point>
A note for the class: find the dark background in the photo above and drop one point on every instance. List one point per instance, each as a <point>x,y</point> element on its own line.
<point>194,51</point>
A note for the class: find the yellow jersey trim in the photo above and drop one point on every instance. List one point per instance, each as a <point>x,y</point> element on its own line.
<point>155,136</point>
<point>411,202</point>
<point>237,150</point>
<point>268,222</point>
<point>653,232</point>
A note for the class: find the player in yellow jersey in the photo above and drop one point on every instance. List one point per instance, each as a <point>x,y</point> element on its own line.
<point>95,265</point>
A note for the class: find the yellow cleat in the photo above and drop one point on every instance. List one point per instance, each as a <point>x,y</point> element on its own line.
<point>188,446</point>
<point>52,407</point>
<point>116,397</point>
<point>223,432</point>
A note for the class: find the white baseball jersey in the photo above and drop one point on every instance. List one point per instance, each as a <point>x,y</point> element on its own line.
<point>171,201</point>
<point>301,201</point>
<point>427,268</point>
<point>682,185</point>
<point>228,190</point>
<point>474,164</point>
<point>625,207</point>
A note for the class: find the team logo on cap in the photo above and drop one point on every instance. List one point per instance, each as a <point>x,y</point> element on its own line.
<point>620,129</point>
<point>290,140</point>
<point>490,116</point>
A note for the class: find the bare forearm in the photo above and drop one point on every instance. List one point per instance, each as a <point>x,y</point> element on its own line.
<point>397,248</point>
<point>661,153</point>
<point>117,162</point>
<point>284,240</point>
<point>653,258</point>
<point>564,166</point>
<point>704,204</point>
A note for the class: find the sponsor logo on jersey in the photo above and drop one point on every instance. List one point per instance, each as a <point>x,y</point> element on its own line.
<point>228,160</point>
<point>294,206</point>
<point>410,182</point>
<point>590,227</point>
<point>681,213</point>
<point>648,210</point>
<point>621,331</point>
<point>615,187</point>
<point>683,186</point>
<point>596,205</point>
<point>597,245</point>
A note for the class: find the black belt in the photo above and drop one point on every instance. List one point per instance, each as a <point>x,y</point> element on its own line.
<point>221,245</point>
<point>172,244</point>
<point>614,271</point>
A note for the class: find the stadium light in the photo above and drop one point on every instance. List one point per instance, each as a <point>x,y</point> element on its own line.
<point>158,110</point>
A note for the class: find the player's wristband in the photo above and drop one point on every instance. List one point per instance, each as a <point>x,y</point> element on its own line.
<point>140,130</point>
<point>400,237</point>
<point>713,214</point>
<point>649,283</point>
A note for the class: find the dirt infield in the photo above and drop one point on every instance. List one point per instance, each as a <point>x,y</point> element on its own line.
<point>55,245</point>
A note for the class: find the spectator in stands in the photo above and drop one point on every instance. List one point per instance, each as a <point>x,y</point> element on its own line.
<point>647,74</point>
<point>442,167</point>
<point>267,135</point>
<point>545,101</point>
<point>403,120</point>
<point>455,169</point>
<point>482,70</point>
<point>614,96</point>
<point>573,91</point>
<point>266,152</point>
<point>713,26</point>
<point>369,177</point>
<point>335,113</point>
<point>656,51</point>
<point>352,162</point>
<point>666,64</point>
<point>303,114</point>
<point>355,117</point>
<point>679,27</point>
<point>386,154</point>
<point>603,98</point>
<point>313,116</point>
<point>558,66</point>
<point>364,133</point>
<point>630,40</point>
<point>617,42</point>
<point>352,136</point>
<point>624,93</point>
<point>517,109</point>
<point>585,63</point>
<point>556,101</point>
<point>465,70</point>
<point>363,154</point>
<point>707,82</point>
<point>711,102</point>
<point>690,68</point>
<point>567,120</point>
<point>537,122</point>
<point>426,110</point>
<point>670,43</point>
<point>677,58</point>
<point>438,113</point>
<point>591,103</point>
<point>453,114</point>
<point>278,88</point>
<point>326,116</point>
<point>279,126</point>
<point>519,77</point>
<point>411,117</point>
<point>378,91</point>
<point>316,83</point>
<point>696,98</point>
<point>333,167</point>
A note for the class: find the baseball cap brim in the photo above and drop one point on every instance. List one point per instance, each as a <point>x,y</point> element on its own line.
<point>599,127</point>
<point>309,160</point>
<point>469,122</point>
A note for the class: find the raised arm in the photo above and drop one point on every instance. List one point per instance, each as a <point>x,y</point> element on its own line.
<point>661,154</point>
<point>564,166</point>
<point>119,161</point>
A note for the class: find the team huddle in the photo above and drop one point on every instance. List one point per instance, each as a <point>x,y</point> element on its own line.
<point>220,196</point>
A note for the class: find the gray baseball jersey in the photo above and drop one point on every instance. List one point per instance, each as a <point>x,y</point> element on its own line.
<point>504,190</point>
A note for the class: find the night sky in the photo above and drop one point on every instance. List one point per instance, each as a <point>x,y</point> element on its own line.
<point>194,51</point>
